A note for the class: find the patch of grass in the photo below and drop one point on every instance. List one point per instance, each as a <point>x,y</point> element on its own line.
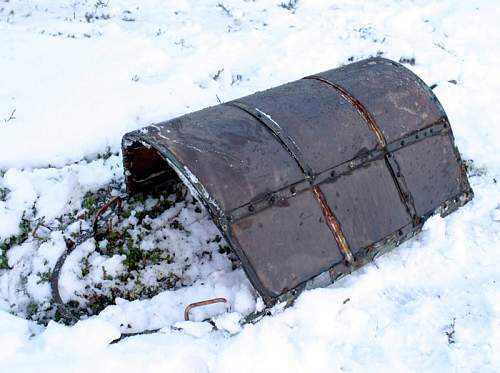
<point>105,275</point>
<point>25,227</point>
<point>218,74</point>
<point>224,249</point>
<point>106,154</point>
<point>236,78</point>
<point>157,256</point>
<point>291,5</point>
<point>32,309</point>
<point>450,332</point>
<point>5,245</point>
<point>226,11</point>
<point>474,170</point>
<point>4,263</point>
<point>85,266</point>
<point>407,60</point>
<point>93,16</point>
<point>44,276</point>
<point>133,256</point>
<point>3,194</point>
<point>120,233</point>
<point>90,202</point>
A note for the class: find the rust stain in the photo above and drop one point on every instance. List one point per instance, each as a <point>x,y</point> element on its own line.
<point>115,200</point>
<point>201,304</point>
<point>359,107</point>
<point>333,224</point>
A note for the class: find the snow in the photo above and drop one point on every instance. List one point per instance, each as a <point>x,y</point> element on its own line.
<point>69,90</point>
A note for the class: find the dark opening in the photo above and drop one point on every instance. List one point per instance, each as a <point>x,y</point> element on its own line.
<point>146,171</point>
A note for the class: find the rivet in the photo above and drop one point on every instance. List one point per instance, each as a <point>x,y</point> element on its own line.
<point>251,208</point>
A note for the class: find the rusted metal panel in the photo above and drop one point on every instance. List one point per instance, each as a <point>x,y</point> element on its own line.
<point>327,129</point>
<point>367,204</point>
<point>311,180</point>
<point>397,99</point>
<point>234,157</point>
<point>432,172</point>
<point>287,243</point>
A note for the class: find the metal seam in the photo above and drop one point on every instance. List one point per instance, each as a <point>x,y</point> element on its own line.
<point>438,128</point>
<point>333,224</point>
<point>276,130</point>
<point>340,270</point>
<point>403,190</point>
<point>392,165</point>
<point>360,108</point>
<point>330,219</point>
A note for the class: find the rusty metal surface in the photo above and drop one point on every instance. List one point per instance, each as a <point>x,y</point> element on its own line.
<point>311,180</point>
<point>287,243</point>
<point>367,204</point>
<point>431,171</point>
<point>333,224</point>
<point>397,99</point>
<point>201,304</point>
<point>232,155</point>
<point>358,106</point>
<point>326,128</point>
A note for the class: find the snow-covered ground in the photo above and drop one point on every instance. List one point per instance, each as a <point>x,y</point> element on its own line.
<point>76,75</point>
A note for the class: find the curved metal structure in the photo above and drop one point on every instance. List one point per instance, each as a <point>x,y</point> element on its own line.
<point>310,180</point>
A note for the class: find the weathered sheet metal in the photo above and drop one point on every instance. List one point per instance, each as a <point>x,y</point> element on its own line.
<point>312,179</point>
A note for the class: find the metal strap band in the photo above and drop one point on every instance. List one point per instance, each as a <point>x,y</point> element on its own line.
<point>260,203</point>
<point>333,224</point>
<point>292,148</point>
<point>403,190</point>
<point>360,108</point>
<point>393,166</point>
<point>287,142</point>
